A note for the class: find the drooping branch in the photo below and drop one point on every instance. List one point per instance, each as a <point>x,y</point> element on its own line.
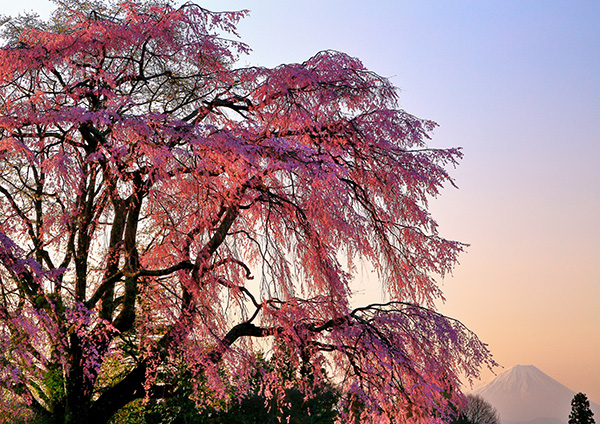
<point>234,261</point>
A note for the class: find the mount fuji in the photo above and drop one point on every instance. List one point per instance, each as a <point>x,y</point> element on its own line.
<point>525,395</point>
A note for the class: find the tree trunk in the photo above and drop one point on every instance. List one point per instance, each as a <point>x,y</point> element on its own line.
<point>78,386</point>
<point>119,395</point>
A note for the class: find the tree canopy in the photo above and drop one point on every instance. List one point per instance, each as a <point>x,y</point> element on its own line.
<point>580,410</point>
<point>477,410</point>
<point>165,211</point>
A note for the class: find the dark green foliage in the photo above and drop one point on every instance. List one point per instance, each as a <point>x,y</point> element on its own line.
<point>580,410</point>
<point>294,407</point>
<point>255,409</point>
<point>252,409</point>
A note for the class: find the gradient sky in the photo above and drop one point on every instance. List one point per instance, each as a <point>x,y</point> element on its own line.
<point>517,85</point>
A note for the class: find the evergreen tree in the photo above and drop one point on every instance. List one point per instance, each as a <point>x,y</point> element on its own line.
<point>580,410</point>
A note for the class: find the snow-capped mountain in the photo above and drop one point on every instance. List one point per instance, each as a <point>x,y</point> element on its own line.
<point>524,394</point>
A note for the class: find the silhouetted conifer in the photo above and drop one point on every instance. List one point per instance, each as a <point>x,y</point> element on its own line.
<point>580,410</point>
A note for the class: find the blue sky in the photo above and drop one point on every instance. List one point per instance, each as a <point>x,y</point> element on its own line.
<point>517,85</point>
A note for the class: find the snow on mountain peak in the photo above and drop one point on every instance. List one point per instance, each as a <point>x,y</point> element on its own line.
<point>524,380</point>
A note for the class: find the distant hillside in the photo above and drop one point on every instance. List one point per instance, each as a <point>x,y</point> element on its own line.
<point>525,395</point>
